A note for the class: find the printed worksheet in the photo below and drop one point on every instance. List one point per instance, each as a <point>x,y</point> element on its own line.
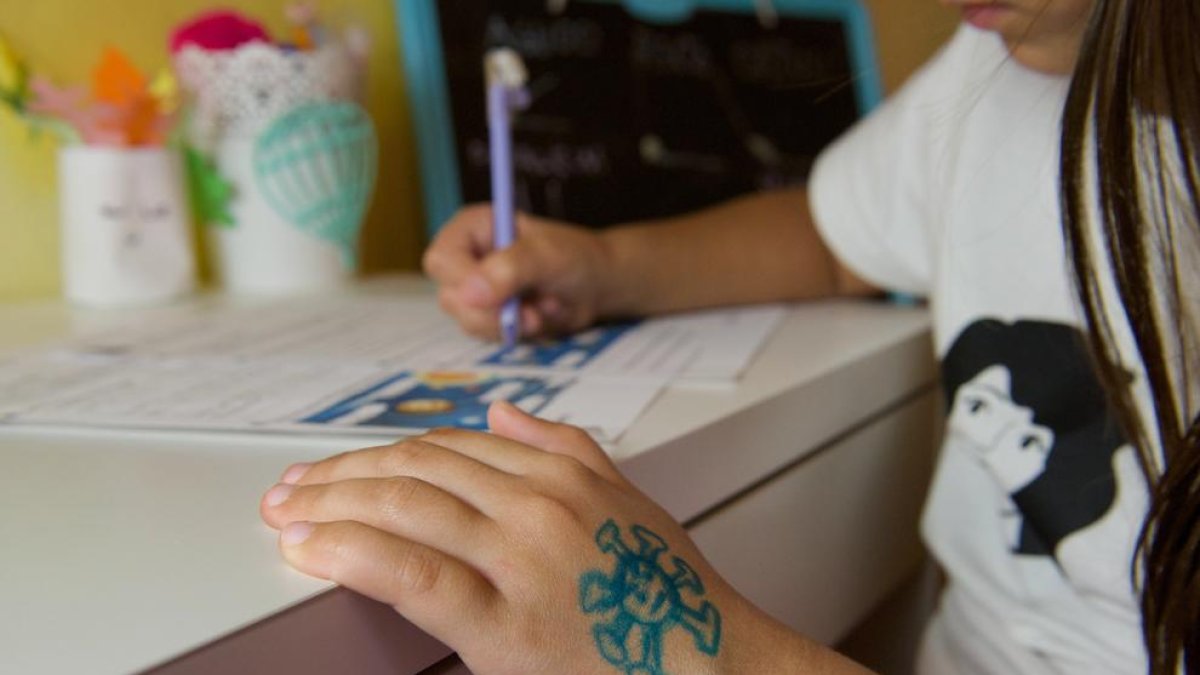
<point>365,365</point>
<point>404,332</point>
<point>410,401</point>
<point>351,399</point>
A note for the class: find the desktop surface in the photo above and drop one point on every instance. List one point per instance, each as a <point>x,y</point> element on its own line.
<point>129,549</point>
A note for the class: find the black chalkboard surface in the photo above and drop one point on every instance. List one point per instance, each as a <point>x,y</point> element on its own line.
<point>635,116</point>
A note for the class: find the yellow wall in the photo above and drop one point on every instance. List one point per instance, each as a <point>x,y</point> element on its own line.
<point>63,39</point>
<point>907,32</point>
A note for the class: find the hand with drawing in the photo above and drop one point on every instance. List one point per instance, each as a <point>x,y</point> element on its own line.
<point>558,270</point>
<point>527,552</point>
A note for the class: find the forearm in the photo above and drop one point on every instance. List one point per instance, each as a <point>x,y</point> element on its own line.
<point>754,249</point>
<point>756,643</point>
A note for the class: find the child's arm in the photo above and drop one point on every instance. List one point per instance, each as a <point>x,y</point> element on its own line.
<point>757,248</point>
<point>527,552</point>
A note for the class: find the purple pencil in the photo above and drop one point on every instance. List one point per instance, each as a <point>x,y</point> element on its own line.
<point>506,93</point>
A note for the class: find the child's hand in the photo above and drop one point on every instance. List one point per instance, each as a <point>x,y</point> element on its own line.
<point>524,560</point>
<point>558,270</point>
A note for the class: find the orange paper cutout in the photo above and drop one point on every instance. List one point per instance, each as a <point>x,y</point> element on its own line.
<point>302,38</point>
<point>116,80</point>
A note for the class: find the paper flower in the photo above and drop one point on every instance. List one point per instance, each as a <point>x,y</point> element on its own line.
<point>165,91</point>
<point>13,77</point>
<point>217,31</point>
<point>301,13</point>
<point>93,123</point>
<point>121,110</point>
<point>136,114</point>
<point>303,18</point>
<point>116,80</point>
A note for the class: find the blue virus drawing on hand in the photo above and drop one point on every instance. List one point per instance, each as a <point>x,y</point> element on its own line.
<point>640,602</point>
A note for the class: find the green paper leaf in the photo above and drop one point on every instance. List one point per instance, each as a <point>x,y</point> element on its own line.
<point>210,192</point>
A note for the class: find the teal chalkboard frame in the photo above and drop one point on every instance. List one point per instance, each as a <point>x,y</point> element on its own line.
<point>428,91</point>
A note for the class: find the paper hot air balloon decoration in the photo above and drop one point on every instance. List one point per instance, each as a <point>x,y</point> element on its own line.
<point>280,145</point>
<point>316,167</point>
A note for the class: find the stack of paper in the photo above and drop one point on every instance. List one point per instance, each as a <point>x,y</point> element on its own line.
<point>372,365</point>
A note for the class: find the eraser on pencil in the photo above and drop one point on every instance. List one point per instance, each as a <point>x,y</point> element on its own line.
<point>504,66</point>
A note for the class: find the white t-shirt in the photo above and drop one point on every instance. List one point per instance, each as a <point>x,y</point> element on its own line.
<point>949,191</point>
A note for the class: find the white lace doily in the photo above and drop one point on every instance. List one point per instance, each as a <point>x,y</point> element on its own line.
<point>238,92</point>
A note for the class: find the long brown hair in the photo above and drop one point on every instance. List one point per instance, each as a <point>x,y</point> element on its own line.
<point>1130,185</point>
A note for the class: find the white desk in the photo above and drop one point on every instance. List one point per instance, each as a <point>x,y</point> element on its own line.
<point>126,551</point>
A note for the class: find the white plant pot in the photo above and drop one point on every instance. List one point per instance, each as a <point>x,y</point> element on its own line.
<point>126,236</point>
<point>263,252</point>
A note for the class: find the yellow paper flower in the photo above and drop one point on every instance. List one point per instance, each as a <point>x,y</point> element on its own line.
<point>164,89</point>
<point>12,72</point>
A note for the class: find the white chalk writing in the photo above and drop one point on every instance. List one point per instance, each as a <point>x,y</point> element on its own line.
<point>563,37</point>
<point>782,62</point>
<point>683,54</point>
<point>557,160</point>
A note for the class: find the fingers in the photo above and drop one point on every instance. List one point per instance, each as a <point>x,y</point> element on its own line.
<point>509,421</point>
<point>497,275</point>
<point>453,261</point>
<point>510,271</point>
<point>443,596</point>
<point>554,267</point>
<point>462,241</point>
<point>483,469</point>
<point>532,323</point>
<point>545,450</point>
<point>462,257</point>
<point>408,507</point>
<point>474,280</point>
<point>481,321</point>
<point>462,473</point>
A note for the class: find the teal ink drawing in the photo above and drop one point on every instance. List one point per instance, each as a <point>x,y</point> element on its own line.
<point>641,601</point>
<point>315,166</point>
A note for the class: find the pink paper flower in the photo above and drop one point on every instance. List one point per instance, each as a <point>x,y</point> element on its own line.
<point>136,122</point>
<point>218,30</point>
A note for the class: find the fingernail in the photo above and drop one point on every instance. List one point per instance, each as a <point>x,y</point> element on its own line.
<point>278,494</point>
<point>296,533</point>
<point>477,290</point>
<point>531,324</point>
<point>508,408</point>
<point>294,473</point>
<point>551,307</point>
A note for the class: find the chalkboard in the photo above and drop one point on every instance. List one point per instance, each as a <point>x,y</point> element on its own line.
<point>641,108</point>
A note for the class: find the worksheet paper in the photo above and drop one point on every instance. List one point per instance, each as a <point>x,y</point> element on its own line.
<point>365,365</point>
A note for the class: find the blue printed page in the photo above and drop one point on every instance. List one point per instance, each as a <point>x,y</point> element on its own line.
<point>363,364</point>
<point>421,400</point>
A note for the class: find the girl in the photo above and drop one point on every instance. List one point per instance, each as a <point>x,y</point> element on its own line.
<point>496,544</point>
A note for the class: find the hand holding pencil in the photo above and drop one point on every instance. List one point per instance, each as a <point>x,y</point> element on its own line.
<point>559,271</point>
<point>505,275</point>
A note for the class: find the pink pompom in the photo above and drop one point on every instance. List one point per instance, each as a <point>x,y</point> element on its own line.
<point>218,30</point>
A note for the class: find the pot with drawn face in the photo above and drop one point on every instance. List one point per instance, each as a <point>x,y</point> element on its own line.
<point>126,237</point>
